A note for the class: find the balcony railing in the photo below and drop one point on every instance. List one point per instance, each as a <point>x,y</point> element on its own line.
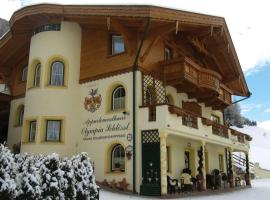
<point>240,136</point>
<point>204,84</point>
<point>188,119</point>
<point>220,130</point>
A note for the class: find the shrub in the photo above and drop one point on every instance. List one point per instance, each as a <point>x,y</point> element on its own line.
<point>25,176</point>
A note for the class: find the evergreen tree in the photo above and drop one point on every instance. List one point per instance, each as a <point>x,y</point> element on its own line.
<point>68,181</point>
<point>85,180</point>
<point>28,180</point>
<point>51,176</point>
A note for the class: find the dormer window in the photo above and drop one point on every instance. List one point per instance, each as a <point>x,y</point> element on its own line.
<point>167,53</point>
<point>118,45</point>
<point>215,119</point>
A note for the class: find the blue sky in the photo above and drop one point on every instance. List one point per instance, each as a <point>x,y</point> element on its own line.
<point>248,22</point>
<point>257,107</point>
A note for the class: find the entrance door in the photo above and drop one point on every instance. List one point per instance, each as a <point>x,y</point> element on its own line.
<point>150,163</point>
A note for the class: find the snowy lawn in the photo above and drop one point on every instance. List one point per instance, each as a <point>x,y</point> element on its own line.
<point>260,190</point>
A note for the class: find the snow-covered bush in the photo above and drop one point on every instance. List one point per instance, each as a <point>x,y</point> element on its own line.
<point>7,174</point>
<point>30,177</point>
<point>85,180</point>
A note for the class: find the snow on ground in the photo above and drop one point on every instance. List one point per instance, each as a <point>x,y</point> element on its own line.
<point>260,190</point>
<point>259,146</point>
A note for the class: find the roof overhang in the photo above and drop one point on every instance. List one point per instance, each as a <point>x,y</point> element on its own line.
<point>15,43</point>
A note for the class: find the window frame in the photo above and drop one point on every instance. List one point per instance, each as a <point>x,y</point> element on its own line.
<point>112,45</point>
<point>37,66</point>
<point>168,53</point>
<point>30,130</point>
<point>21,116</point>
<point>50,77</point>
<point>215,118</point>
<point>113,99</point>
<point>24,74</point>
<point>60,129</point>
<point>112,168</point>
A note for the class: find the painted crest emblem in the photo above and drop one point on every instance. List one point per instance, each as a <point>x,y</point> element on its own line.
<point>92,102</point>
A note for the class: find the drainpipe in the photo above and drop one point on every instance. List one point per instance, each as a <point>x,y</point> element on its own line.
<point>249,95</point>
<point>134,69</point>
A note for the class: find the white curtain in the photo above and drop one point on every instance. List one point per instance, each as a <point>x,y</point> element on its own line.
<point>32,131</point>
<point>53,130</point>
<point>118,98</point>
<point>57,73</point>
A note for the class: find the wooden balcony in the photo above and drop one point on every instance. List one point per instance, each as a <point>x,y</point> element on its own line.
<point>198,82</point>
<point>240,136</point>
<point>188,119</point>
<point>220,130</point>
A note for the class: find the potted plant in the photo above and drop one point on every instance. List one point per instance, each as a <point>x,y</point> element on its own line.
<point>231,180</point>
<point>117,167</point>
<point>200,180</point>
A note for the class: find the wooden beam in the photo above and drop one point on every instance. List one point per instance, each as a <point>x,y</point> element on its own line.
<point>156,34</point>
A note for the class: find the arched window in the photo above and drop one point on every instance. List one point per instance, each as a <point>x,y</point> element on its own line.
<point>118,158</point>
<point>118,98</point>
<point>37,75</point>
<point>20,119</point>
<point>169,99</point>
<point>24,74</point>
<point>57,73</point>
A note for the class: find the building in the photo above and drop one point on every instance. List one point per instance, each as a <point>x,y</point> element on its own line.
<point>140,88</point>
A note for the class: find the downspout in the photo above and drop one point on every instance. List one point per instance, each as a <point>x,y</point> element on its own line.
<point>134,69</point>
<point>249,95</point>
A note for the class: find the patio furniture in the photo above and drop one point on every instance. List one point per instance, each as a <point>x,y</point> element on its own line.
<point>173,185</point>
<point>224,178</point>
<point>213,181</point>
<point>187,181</point>
<point>237,181</point>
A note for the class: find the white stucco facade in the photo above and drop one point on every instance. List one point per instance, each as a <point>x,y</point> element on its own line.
<point>96,131</point>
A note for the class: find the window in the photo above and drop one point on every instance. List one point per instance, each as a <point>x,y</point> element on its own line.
<point>215,119</point>
<point>118,158</point>
<point>169,100</point>
<point>118,98</point>
<point>167,53</point>
<point>37,75</point>
<point>53,130</point>
<point>117,45</point>
<point>24,74</point>
<point>47,27</point>
<point>57,73</point>
<point>32,131</point>
<point>187,160</point>
<point>21,113</point>
<point>221,163</point>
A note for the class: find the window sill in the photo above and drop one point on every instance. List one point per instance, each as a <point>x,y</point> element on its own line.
<point>118,111</point>
<point>17,126</point>
<point>116,173</point>
<point>56,86</point>
<point>117,54</point>
<point>31,143</point>
<point>33,87</point>
<point>52,142</point>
